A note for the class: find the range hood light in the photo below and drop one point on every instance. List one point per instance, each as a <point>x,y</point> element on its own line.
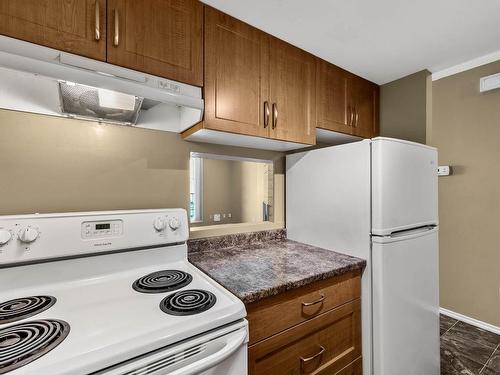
<point>116,100</point>
<point>105,74</point>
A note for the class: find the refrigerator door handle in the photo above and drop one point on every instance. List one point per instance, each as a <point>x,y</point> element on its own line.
<point>407,232</point>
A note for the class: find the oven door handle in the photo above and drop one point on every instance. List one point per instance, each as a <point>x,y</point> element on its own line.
<point>233,343</point>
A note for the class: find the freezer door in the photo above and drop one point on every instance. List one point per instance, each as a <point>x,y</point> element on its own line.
<point>406,304</point>
<point>328,198</point>
<point>404,185</point>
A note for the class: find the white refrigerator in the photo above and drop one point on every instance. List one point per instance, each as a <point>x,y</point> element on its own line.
<point>377,200</point>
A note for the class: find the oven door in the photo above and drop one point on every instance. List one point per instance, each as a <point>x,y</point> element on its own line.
<point>219,352</point>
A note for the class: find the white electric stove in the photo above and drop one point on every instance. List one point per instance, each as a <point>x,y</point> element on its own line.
<point>112,293</point>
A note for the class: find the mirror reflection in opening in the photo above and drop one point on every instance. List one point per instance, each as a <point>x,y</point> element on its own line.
<point>229,190</point>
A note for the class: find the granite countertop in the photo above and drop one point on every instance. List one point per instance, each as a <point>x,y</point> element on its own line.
<point>262,264</point>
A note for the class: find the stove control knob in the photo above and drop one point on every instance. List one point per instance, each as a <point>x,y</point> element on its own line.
<point>174,223</point>
<point>28,234</point>
<point>160,224</point>
<point>5,236</point>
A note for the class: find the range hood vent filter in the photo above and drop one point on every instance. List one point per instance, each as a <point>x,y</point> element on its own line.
<point>97,104</point>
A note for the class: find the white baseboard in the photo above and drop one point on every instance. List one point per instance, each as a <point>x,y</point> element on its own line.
<point>471,321</point>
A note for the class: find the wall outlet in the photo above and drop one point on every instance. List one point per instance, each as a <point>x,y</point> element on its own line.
<point>444,170</point>
<point>229,215</point>
<point>216,217</point>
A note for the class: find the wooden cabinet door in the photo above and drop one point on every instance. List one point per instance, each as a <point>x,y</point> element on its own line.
<point>68,25</point>
<point>159,37</point>
<point>236,76</point>
<point>333,110</point>
<point>292,92</point>
<point>364,99</point>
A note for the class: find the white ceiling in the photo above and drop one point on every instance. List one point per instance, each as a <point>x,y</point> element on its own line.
<point>381,40</point>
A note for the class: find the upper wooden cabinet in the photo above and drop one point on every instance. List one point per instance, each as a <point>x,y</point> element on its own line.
<point>364,106</point>
<point>292,93</point>
<point>76,26</point>
<point>332,101</point>
<point>256,84</point>
<point>236,76</point>
<point>160,37</point>
<point>344,102</point>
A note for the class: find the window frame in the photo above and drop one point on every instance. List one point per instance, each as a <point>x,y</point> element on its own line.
<point>196,194</point>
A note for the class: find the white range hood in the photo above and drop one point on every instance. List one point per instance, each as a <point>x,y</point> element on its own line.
<point>43,80</point>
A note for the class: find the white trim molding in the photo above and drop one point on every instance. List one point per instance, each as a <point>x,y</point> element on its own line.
<point>474,63</point>
<point>471,321</point>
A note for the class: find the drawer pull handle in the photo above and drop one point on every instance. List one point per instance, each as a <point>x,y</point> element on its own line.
<point>305,361</point>
<point>319,300</point>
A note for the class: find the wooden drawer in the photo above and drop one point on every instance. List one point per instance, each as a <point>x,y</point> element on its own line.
<point>325,344</point>
<point>355,368</point>
<point>275,314</point>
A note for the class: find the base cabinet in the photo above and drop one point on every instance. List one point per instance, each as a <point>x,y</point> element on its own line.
<point>320,342</point>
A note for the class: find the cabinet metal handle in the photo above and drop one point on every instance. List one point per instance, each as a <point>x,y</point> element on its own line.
<point>351,116</point>
<point>304,361</point>
<point>116,39</point>
<point>267,113</point>
<point>275,115</point>
<point>319,300</point>
<point>357,118</point>
<point>97,33</point>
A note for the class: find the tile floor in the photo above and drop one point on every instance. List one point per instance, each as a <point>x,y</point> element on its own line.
<point>468,350</point>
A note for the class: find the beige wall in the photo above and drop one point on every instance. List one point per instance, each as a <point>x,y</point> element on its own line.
<point>466,130</point>
<point>220,191</point>
<point>51,164</point>
<point>403,107</point>
<point>236,187</point>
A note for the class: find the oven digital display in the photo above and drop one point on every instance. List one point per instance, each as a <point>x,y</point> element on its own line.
<point>102,226</point>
